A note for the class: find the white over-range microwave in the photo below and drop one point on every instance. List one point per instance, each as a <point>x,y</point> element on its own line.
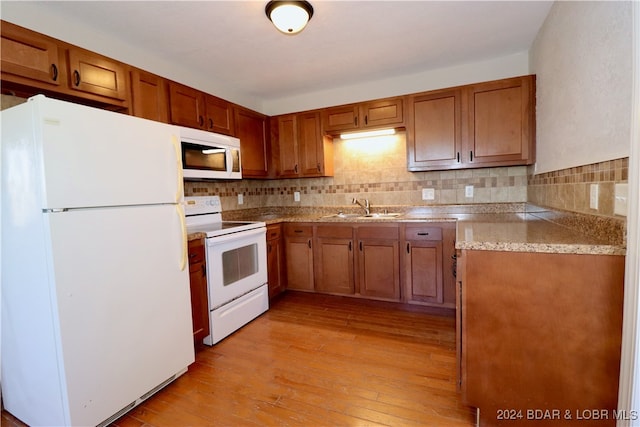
<point>208,155</point>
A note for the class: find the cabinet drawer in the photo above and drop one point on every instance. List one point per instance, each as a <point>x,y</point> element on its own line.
<point>423,233</point>
<point>196,251</point>
<point>336,232</point>
<point>378,232</point>
<point>274,232</point>
<point>294,230</point>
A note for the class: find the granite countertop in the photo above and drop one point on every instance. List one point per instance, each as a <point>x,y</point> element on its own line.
<point>517,227</point>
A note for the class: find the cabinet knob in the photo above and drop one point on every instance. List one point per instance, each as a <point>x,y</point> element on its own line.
<point>54,72</point>
<point>76,77</point>
<point>471,155</point>
<point>200,120</point>
<point>210,123</point>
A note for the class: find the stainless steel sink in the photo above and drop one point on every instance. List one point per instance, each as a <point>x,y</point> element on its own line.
<point>343,215</point>
<point>361,216</point>
<point>381,215</point>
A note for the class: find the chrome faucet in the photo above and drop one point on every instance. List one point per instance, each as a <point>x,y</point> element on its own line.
<point>365,206</point>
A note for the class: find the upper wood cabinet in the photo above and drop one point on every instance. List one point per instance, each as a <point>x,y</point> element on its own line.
<point>36,63</point>
<point>30,57</point>
<point>219,115</point>
<point>480,125</point>
<point>95,74</point>
<point>299,148</point>
<point>192,108</point>
<point>434,137</point>
<point>501,122</point>
<point>374,114</point>
<point>149,96</point>
<point>252,130</point>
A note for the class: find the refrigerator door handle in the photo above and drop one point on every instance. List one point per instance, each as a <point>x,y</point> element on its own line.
<point>183,230</point>
<point>180,184</point>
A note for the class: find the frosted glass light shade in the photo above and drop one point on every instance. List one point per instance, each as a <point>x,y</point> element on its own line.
<point>289,17</point>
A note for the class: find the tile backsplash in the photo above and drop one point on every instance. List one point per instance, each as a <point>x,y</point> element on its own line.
<point>375,169</point>
<point>569,189</point>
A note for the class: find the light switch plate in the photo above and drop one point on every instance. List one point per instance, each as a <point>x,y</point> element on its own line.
<point>296,196</point>
<point>428,193</point>
<point>621,195</point>
<point>240,198</point>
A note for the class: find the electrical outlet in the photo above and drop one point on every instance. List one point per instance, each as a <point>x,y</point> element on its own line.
<point>240,199</point>
<point>428,193</point>
<point>468,191</point>
<point>296,196</point>
<point>593,196</point>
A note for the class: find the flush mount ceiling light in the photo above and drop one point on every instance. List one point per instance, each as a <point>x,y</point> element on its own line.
<point>290,17</point>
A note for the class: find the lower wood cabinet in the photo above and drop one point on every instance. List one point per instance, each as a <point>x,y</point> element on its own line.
<point>379,261</point>
<point>540,331</point>
<point>198,285</point>
<point>333,259</point>
<point>275,260</point>
<point>298,239</point>
<point>429,262</point>
<point>412,262</point>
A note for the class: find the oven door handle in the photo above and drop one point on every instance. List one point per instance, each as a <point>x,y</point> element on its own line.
<point>211,241</point>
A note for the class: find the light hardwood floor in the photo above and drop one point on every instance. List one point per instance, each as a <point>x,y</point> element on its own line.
<point>317,360</point>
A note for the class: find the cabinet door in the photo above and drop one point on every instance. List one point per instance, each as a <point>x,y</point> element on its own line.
<point>186,106</point>
<point>29,56</point>
<point>333,260</point>
<point>434,139</point>
<point>383,113</point>
<point>424,271</point>
<point>340,118</point>
<point>378,262</point>
<point>275,260</point>
<point>287,146</point>
<point>299,256</point>
<point>198,286</point>
<point>501,122</point>
<point>220,116</point>
<point>149,93</point>
<point>97,75</point>
<point>310,154</point>
<point>251,129</point>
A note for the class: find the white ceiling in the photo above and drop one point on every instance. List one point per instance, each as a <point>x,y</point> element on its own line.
<point>346,42</point>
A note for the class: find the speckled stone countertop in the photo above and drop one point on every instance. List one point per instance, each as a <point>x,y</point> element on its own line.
<point>517,227</point>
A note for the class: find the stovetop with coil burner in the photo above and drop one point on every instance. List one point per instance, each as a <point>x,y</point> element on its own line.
<point>204,214</point>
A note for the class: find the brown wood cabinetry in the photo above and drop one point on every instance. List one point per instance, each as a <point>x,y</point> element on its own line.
<point>149,96</point>
<point>378,260</point>
<point>34,63</point>
<point>275,260</point>
<point>94,74</point>
<point>366,115</point>
<point>541,331</point>
<point>434,137</point>
<point>298,240</point>
<point>482,125</point>
<point>334,259</point>
<point>252,130</point>
<point>31,58</point>
<point>192,108</point>
<point>300,149</point>
<point>429,264</point>
<point>198,285</point>
<point>502,122</point>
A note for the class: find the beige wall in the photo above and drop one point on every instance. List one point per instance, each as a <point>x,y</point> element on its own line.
<point>375,170</point>
<point>582,60</point>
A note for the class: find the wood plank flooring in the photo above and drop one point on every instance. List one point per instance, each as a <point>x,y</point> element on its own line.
<point>317,360</point>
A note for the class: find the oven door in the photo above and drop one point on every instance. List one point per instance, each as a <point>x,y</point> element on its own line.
<point>236,264</point>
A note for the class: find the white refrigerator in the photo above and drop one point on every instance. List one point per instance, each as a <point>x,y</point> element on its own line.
<point>95,298</point>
